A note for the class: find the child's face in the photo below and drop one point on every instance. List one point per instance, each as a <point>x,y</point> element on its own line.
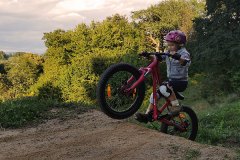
<point>172,46</point>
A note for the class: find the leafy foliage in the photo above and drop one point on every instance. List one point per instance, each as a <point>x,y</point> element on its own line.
<point>15,113</point>
<point>19,72</point>
<point>216,46</point>
<point>159,19</point>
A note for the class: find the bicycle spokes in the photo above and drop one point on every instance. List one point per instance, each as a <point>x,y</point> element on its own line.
<point>182,125</point>
<point>117,96</point>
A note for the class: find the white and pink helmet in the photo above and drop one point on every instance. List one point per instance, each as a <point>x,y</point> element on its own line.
<point>176,36</point>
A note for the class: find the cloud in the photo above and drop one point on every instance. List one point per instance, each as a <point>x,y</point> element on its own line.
<point>23,22</point>
<point>29,41</point>
<point>78,5</point>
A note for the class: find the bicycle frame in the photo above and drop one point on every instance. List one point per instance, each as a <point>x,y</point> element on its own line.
<point>156,78</point>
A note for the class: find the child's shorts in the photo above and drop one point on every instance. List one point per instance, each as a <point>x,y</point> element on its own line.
<point>177,85</point>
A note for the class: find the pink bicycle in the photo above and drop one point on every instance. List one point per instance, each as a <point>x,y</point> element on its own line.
<point>121,91</point>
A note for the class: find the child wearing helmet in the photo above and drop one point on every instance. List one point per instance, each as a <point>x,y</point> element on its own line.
<point>177,74</point>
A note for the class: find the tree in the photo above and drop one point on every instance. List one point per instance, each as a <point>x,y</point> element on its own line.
<point>22,71</point>
<point>159,19</point>
<point>3,55</point>
<point>216,45</point>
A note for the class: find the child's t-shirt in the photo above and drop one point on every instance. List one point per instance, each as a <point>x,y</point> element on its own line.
<point>174,69</point>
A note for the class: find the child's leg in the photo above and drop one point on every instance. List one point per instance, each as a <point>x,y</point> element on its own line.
<point>150,106</point>
<point>172,98</point>
<point>168,92</point>
<point>141,117</point>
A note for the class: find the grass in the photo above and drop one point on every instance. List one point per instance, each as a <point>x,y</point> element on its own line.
<point>219,121</point>
<point>20,112</point>
<point>219,125</point>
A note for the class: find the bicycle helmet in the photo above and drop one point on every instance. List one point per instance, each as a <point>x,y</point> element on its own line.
<point>176,36</point>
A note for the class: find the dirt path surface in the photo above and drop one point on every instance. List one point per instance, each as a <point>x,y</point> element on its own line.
<point>93,135</point>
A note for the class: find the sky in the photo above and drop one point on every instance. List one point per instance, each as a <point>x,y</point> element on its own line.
<point>23,22</point>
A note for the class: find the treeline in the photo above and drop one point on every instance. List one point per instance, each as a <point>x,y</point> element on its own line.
<point>18,72</point>
<point>74,60</point>
<point>216,47</point>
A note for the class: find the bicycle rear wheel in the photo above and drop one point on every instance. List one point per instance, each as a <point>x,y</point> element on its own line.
<point>187,119</point>
<point>110,92</point>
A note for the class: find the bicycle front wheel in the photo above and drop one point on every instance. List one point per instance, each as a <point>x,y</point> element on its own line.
<point>113,100</point>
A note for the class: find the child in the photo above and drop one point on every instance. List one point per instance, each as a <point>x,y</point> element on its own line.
<point>177,73</point>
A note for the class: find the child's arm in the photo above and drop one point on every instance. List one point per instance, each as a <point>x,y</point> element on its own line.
<point>184,59</point>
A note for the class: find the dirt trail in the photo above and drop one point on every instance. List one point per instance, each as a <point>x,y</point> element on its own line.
<point>93,135</point>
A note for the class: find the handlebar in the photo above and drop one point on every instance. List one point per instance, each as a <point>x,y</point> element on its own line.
<point>157,54</point>
<point>147,54</point>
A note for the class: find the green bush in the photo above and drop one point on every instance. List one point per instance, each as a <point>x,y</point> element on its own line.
<point>50,92</point>
<point>15,113</point>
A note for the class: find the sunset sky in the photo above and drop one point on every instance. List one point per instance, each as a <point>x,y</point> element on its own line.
<point>23,22</point>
